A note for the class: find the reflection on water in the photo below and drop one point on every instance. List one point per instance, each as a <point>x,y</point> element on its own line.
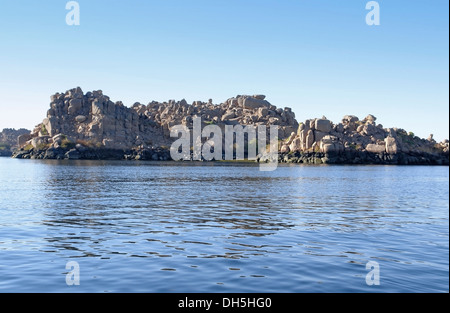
<point>221,227</point>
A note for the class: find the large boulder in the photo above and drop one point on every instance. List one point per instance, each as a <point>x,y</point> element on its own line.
<point>285,149</point>
<point>303,127</point>
<point>309,139</point>
<point>318,135</point>
<point>253,103</point>
<point>369,119</point>
<point>375,148</point>
<point>349,122</point>
<point>75,106</point>
<point>391,145</point>
<point>295,145</point>
<point>22,139</point>
<point>80,118</point>
<point>347,119</point>
<point>331,145</point>
<point>38,142</point>
<point>323,125</point>
<point>50,124</point>
<point>331,148</point>
<point>369,129</point>
<point>302,136</point>
<point>58,138</point>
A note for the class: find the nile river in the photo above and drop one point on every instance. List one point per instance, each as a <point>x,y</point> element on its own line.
<point>222,227</point>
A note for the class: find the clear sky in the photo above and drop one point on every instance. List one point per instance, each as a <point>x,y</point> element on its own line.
<point>318,57</point>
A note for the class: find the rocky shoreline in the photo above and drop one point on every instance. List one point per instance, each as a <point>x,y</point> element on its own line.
<point>316,158</point>
<point>364,157</point>
<point>91,126</point>
<point>82,153</point>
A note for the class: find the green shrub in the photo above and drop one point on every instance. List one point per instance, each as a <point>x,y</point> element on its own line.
<point>42,146</point>
<point>28,147</point>
<point>44,130</point>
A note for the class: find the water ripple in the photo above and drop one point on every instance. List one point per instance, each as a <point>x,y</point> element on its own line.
<point>164,227</point>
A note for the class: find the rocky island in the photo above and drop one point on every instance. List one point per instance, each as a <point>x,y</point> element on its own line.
<point>91,126</point>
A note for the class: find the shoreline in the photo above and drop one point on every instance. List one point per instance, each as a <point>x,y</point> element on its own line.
<point>303,158</point>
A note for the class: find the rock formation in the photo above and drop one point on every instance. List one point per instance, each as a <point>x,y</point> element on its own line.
<point>357,141</point>
<point>91,126</point>
<point>8,140</point>
<point>92,121</point>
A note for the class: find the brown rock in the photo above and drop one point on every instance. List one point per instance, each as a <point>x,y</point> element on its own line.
<point>375,148</point>
<point>80,118</point>
<point>391,145</point>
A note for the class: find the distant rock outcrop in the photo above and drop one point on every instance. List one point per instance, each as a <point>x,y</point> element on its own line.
<point>354,142</point>
<point>8,140</point>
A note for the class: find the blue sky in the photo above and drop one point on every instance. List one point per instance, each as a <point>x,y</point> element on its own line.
<point>318,57</point>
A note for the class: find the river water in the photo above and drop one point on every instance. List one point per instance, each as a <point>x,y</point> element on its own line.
<point>221,227</point>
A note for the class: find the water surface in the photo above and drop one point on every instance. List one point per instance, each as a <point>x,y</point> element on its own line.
<point>221,227</point>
